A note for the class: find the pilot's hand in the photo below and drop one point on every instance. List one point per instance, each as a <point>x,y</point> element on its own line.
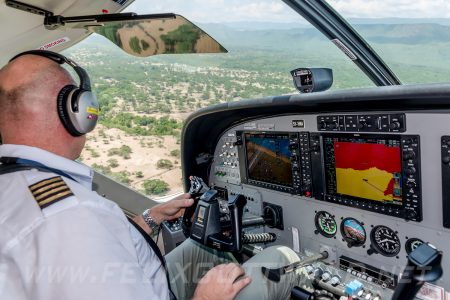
<point>221,283</point>
<point>171,209</point>
<point>166,211</point>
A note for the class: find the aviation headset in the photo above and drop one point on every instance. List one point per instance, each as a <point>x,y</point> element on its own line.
<point>77,106</point>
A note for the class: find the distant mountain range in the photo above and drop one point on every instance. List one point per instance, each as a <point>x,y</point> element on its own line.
<point>420,42</point>
<point>270,36</point>
<point>276,35</point>
<point>303,24</point>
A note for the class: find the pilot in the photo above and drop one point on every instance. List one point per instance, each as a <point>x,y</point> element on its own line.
<point>61,240</point>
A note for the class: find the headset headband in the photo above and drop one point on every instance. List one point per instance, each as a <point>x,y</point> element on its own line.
<point>85,83</point>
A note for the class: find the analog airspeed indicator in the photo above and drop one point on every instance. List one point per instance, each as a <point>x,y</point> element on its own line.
<point>325,224</point>
<point>385,241</point>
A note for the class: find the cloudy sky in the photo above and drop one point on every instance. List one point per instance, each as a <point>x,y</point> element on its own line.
<point>278,11</point>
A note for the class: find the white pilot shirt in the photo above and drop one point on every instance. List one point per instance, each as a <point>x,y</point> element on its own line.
<point>81,247</point>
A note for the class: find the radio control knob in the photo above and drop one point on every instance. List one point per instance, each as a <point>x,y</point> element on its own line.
<point>446,159</point>
<point>395,125</point>
<point>334,125</point>
<point>411,184</point>
<point>315,148</point>
<point>323,125</point>
<point>409,154</point>
<point>411,214</point>
<point>411,171</point>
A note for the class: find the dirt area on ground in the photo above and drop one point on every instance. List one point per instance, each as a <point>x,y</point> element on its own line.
<point>146,151</point>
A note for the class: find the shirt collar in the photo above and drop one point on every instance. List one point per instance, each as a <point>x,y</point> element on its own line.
<point>78,171</point>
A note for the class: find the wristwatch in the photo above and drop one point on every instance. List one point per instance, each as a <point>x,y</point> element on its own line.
<point>150,221</point>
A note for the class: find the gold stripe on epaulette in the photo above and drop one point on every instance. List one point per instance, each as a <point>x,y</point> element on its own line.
<point>46,188</point>
<point>49,191</point>
<point>55,198</point>
<point>44,182</point>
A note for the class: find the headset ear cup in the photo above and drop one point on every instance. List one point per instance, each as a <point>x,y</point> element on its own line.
<point>67,92</point>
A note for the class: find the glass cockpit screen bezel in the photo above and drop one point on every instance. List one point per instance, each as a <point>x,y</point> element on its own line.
<point>409,205</point>
<point>384,160</point>
<point>280,176</point>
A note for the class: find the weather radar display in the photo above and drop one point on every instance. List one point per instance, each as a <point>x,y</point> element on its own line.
<point>365,168</point>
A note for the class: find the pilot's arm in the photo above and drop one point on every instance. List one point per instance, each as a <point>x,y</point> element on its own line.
<point>79,248</point>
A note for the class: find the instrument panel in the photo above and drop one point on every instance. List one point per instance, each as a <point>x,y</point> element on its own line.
<point>367,187</point>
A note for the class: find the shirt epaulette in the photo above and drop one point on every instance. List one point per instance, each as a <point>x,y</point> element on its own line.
<point>50,191</point>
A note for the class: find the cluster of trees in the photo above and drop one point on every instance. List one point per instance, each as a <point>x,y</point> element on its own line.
<point>142,125</point>
<point>122,176</point>
<point>155,186</point>
<point>124,151</point>
<point>164,164</point>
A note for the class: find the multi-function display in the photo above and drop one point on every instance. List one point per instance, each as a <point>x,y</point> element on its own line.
<point>374,172</point>
<point>367,168</point>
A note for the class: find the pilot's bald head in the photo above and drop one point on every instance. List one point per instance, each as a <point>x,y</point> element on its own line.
<point>29,86</point>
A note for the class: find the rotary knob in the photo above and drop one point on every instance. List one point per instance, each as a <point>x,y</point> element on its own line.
<point>334,125</point>
<point>411,184</point>
<point>411,215</point>
<point>411,171</point>
<point>446,159</point>
<point>335,280</point>
<point>309,269</point>
<point>409,154</point>
<point>326,276</point>
<point>395,125</point>
<point>318,272</point>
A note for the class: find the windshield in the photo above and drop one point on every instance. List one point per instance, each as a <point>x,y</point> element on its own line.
<point>411,36</point>
<point>146,100</point>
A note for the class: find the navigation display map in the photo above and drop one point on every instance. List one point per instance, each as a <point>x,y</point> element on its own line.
<point>269,158</point>
<point>368,168</point>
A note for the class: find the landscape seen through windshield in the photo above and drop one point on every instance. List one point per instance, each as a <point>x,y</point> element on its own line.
<point>145,101</point>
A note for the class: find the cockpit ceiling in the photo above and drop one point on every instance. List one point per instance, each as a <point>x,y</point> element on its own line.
<point>20,30</point>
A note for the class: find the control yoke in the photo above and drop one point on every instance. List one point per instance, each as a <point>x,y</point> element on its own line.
<point>231,243</point>
<point>207,228</point>
<point>218,223</point>
<point>424,265</point>
<point>198,188</point>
